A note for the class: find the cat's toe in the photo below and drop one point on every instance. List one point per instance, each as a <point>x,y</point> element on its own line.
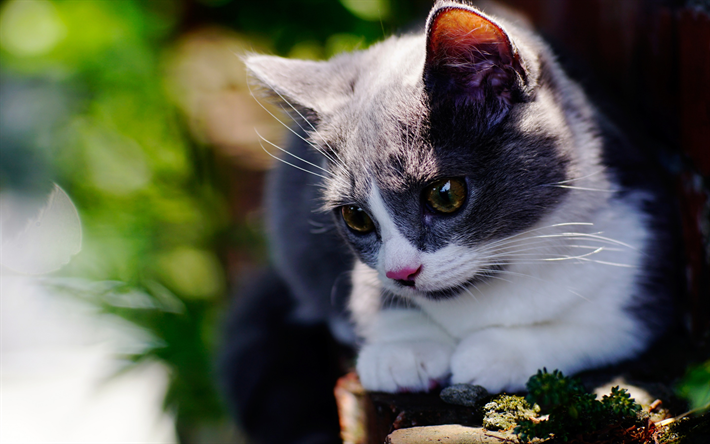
<point>490,362</point>
<point>404,366</point>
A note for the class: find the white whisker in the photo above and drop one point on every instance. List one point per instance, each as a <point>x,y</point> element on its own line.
<point>611,190</point>
<point>613,264</point>
<point>309,124</point>
<point>291,154</point>
<point>289,163</point>
<point>592,236</point>
<point>599,171</point>
<point>465,288</point>
<point>547,281</point>
<point>518,235</point>
<point>288,127</point>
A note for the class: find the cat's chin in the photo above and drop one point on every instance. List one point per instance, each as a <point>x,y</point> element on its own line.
<point>443,293</point>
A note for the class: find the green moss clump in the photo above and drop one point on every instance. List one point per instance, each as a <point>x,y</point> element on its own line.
<point>506,411</point>
<point>574,413</point>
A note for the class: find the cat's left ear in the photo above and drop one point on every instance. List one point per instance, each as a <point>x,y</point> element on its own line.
<point>470,59</point>
<point>305,88</point>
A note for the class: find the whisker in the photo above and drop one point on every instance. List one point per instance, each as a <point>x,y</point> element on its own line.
<point>613,264</point>
<point>314,145</point>
<point>530,243</point>
<point>289,163</point>
<point>592,247</point>
<point>548,260</point>
<point>564,258</point>
<point>290,153</point>
<point>547,281</point>
<point>539,229</point>
<point>288,127</point>
<point>599,171</point>
<point>592,236</point>
<point>530,258</point>
<point>611,190</point>
<point>516,250</point>
<point>492,274</point>
<point>477,289</point>
<point>568,236</point>
<point>308,122</point>
<point>539,244</point>
<point>465,288</point>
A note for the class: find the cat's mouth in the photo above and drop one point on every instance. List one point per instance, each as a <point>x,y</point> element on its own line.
<point>448,292</point>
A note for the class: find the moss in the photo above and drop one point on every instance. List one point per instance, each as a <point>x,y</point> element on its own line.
<point>506,411</point>
<point>575,415</point>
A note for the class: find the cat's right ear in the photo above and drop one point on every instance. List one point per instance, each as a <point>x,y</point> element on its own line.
<point>305,88</point>
<point>471,60</point>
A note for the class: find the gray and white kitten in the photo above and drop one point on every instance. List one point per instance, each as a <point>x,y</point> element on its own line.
<point>491,221</point>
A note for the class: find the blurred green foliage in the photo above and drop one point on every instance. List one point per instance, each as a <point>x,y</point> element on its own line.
<point>695,387</point>
<point>84,103</point>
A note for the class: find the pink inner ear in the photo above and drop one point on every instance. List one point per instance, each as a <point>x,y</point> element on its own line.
<point>458,35</point>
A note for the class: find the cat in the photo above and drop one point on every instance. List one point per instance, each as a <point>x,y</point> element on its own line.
<point>452,205</point>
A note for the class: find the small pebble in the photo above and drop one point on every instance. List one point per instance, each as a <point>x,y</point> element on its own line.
<point>463,394</point>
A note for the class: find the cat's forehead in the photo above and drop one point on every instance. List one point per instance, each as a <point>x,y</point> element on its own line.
<point>385,148</point>
<point>380,135</point>
<point>388,164</point>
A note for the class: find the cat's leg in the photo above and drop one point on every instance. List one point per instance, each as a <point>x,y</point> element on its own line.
<point>503,358</point>
<point>277,373</point>
<point>404,351</point>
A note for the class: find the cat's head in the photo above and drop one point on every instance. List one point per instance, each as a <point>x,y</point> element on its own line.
<point>436,146</point>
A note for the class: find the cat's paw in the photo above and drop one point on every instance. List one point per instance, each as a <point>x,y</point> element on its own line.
<point>416,366</point>
<point>493,359</point>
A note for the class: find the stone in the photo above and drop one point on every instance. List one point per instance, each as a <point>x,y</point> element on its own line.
<point>446,434</point>
<point>464,394</point>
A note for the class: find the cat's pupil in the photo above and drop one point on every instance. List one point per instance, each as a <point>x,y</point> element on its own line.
<point>446,195</point>
<point>357,219</point>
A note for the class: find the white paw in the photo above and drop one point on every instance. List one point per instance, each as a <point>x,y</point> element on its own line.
<point>494,359</point>
<point>403,366</point>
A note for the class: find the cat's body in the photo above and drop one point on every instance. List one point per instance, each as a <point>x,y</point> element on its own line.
<point>483,218</point>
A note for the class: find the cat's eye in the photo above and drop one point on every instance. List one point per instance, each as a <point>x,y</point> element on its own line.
<point>446,195</point>
<point>357,219</point>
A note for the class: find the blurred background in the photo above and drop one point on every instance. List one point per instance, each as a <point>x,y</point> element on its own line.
<point>129,198</point>
<point>131,177</point>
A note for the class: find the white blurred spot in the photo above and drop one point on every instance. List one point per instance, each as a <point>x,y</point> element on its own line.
<point>30,28</point>
<point>47,238</point>
<point>59,365</point>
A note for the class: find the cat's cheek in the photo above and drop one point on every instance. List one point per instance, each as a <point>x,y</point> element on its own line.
<point>493,359</point>
<point>412,366</point>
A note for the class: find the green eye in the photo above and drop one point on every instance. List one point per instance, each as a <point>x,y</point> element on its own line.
<point>357,219</point>
<point>446,195</point>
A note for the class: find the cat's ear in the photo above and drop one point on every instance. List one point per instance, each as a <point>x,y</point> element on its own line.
<point>305,88</point>
<point>470,59</point>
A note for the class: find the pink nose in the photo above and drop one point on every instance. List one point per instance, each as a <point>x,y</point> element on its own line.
<point>404,274</point>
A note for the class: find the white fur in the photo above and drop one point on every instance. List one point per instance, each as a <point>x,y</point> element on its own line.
<point>410,352</point>
<point>559,304</point>
<point>396,251</point>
